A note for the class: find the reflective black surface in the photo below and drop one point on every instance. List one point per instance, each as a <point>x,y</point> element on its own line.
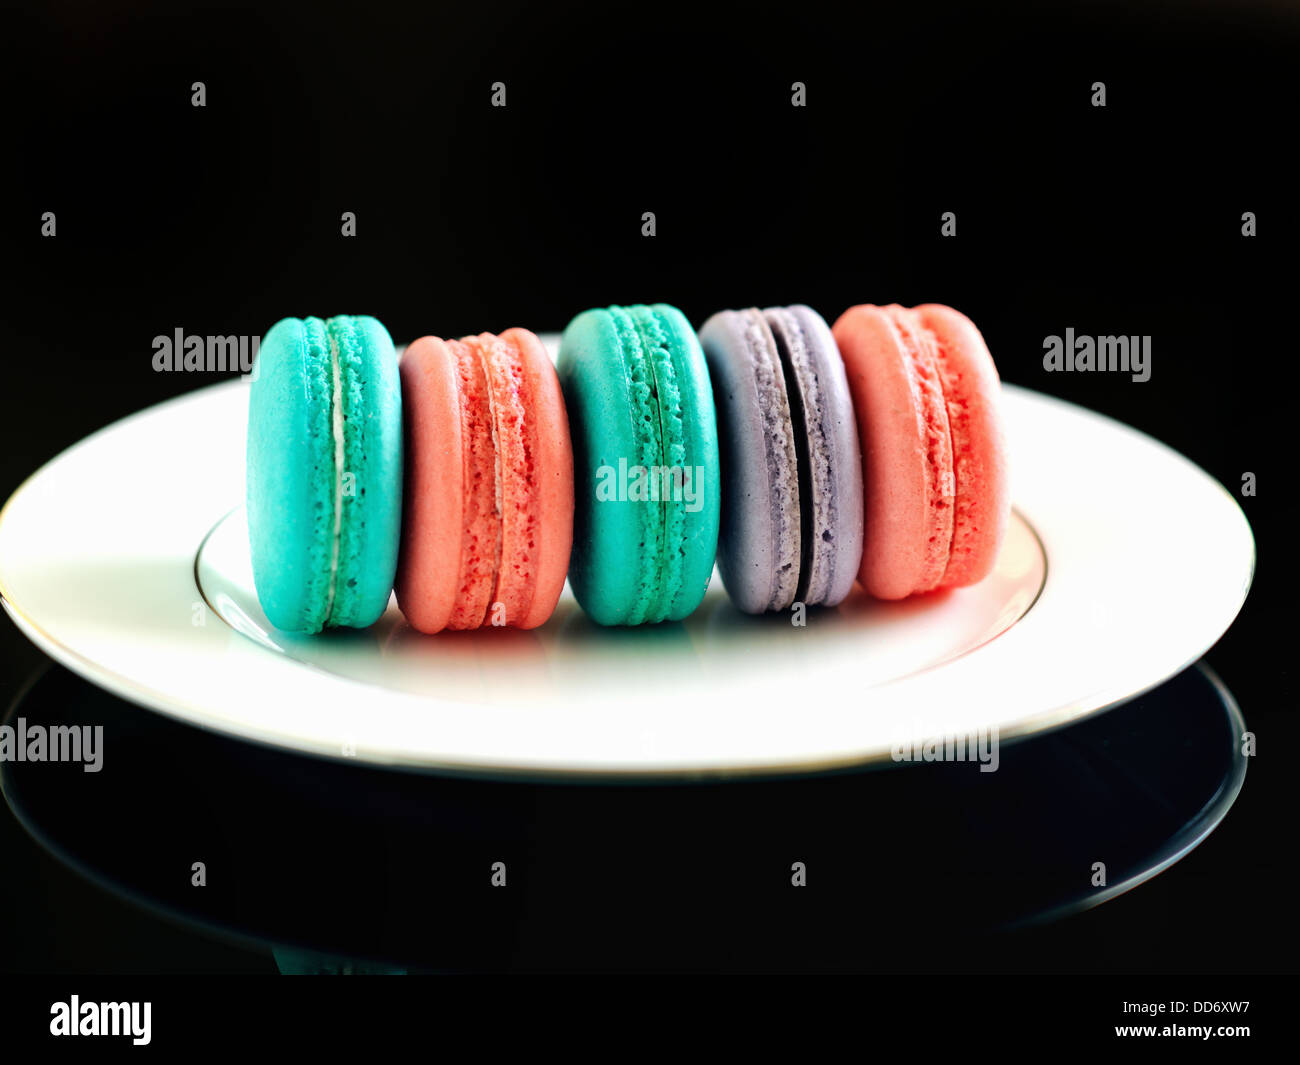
<point>342,867</point>
<point>1118,220</point>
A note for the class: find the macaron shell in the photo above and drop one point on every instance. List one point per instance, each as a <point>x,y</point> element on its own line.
<point>611,418</point>
<point>822,405</point>
<point>552,476</point>
<point>759,543</point>
<point>370,531</point>
<point>906,450</point>
<point>983,497</point>
<point>699,428</point>
<point>429,569</point>
<point>290,475</point>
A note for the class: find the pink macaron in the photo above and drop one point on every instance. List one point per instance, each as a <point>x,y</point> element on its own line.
<point>488,516</point>
<point>937,497</point>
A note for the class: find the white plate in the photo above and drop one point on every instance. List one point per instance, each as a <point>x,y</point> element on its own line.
<point>124,560</point>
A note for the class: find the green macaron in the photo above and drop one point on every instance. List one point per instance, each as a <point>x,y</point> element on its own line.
<point>646,479</point>
<point>324,472</point>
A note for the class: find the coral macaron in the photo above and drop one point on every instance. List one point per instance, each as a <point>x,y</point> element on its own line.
<point>926,394</point>
<point>488,522</point>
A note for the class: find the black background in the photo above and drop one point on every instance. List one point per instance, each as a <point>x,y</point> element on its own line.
<point>1117,220</point>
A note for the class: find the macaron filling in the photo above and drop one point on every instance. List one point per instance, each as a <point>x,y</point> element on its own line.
<point>481,529</point>
<point>478,346</point>
<point>830,472</point>
<point>331,351</point>
<point>318,380</point>
<point>663,477</point>
<point>648,432</point>
<point>781,457</point>
<point>499,517</point>
<point>336,427</point>
<point>513,445</point>
<point>352,442</point>
<point>816,499</point>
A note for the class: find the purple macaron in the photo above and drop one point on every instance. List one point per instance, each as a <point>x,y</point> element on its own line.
<point>792,504</point>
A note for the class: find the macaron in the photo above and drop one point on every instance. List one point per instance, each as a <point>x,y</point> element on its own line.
<point>792,504</point>
<point>926,394</point>
<point>646,476</point>
<point>488,525</point>
<point>324,472</point>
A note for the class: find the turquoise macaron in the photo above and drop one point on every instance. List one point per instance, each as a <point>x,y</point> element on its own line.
<point>324,472</point>
<point>645,449</point>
